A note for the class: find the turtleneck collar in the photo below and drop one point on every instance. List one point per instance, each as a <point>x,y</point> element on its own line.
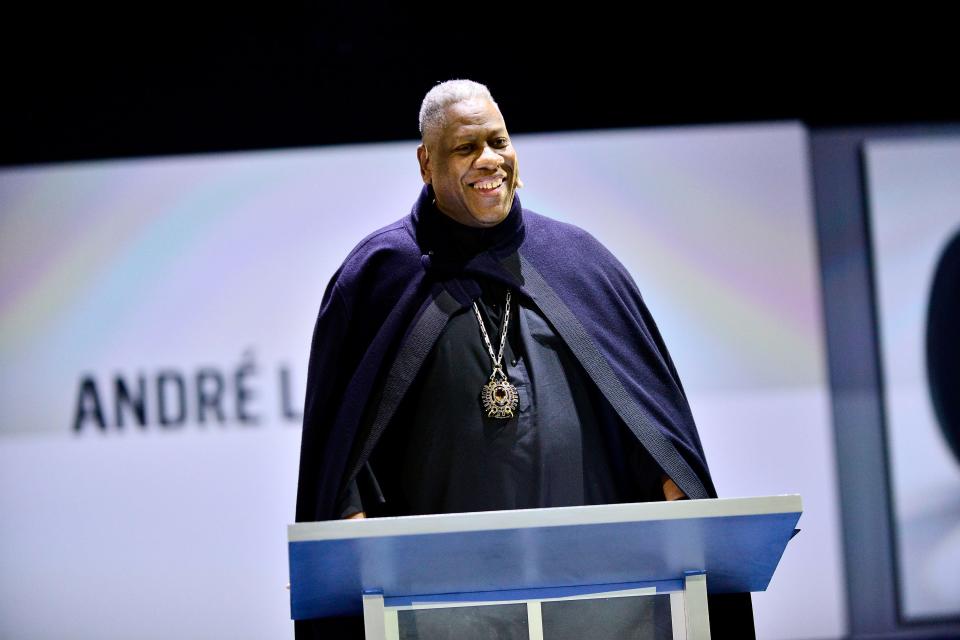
<point>446,240</point>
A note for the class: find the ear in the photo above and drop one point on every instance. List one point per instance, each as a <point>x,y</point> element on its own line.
<point>423,157</point>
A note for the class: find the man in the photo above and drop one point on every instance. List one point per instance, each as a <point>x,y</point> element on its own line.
<point>475,355</point>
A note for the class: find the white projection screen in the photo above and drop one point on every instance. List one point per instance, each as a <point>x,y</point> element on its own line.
<point>155,321</point>
<point>914,195</point>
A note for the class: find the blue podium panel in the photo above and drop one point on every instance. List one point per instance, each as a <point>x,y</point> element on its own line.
<point>737,541</point>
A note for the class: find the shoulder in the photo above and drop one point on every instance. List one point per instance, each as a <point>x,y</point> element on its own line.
<point>567,245</point>
<point>386,257</point>
<point>393,240</point>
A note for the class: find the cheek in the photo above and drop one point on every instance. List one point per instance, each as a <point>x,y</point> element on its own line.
<point>451,177</point>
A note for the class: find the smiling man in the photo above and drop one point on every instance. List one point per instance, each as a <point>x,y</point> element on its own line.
<point>476,355</point>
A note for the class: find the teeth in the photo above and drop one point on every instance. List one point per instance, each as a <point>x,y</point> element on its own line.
<point>492,184</point>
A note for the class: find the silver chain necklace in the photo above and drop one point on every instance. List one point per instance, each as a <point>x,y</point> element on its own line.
<point>499,396</point>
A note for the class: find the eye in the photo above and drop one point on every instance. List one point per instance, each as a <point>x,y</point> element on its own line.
<point>463,148</point>
<point>500,142</point>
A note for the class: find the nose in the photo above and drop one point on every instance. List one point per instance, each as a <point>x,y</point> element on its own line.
<point>489,158</point>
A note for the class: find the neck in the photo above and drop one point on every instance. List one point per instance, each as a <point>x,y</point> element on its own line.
<point>454,240</point>
<point>466,240</point>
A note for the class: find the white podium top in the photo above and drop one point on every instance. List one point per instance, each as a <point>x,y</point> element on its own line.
<point>738,542</point>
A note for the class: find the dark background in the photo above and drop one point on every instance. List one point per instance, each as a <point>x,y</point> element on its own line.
<point>146,79</point>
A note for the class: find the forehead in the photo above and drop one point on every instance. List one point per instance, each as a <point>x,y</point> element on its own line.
<point>472,117</point>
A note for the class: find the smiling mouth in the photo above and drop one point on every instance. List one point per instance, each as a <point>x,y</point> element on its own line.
<point>488,186</point>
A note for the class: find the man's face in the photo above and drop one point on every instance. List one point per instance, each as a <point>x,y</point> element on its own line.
<point>471,164</point>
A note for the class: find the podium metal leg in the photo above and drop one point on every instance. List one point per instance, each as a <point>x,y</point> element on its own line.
<point>534,620</point>
<point>678,615</point>
<point>374,618</point>
<point>695,601</point>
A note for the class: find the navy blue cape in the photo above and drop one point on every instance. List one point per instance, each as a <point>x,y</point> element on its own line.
<point>389,301</point>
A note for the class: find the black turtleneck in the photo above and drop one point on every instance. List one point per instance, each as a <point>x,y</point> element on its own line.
<point>444,455</point>
<point>451,242</point>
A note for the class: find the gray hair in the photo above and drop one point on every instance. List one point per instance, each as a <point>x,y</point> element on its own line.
<point>435,103</point>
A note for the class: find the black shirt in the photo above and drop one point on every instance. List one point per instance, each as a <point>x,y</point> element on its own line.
<point>550,454</point>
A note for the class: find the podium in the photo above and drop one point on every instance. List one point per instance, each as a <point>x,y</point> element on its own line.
<point>520,569</point>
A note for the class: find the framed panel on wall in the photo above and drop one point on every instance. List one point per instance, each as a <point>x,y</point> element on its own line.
<point>914,217</point>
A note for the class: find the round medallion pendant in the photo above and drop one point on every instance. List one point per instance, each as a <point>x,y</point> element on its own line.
<point>499,399</point>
